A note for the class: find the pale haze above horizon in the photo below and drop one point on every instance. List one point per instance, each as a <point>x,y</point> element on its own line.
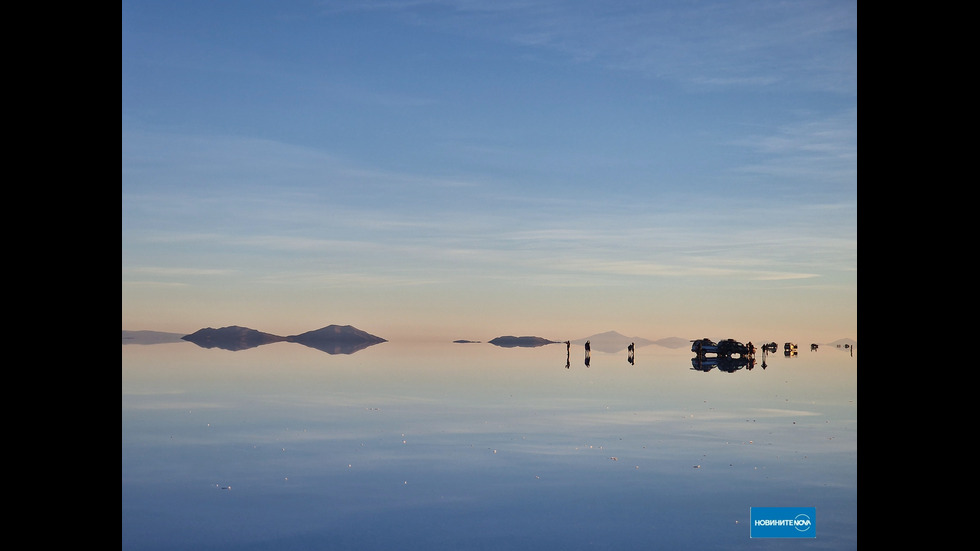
<point>450,169</point>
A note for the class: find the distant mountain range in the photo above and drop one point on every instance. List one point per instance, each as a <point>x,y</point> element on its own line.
<point>673,342</point>
<point>843,342</point>
<point>611,341</point>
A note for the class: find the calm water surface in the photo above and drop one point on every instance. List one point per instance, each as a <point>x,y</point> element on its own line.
<point>473,446</point>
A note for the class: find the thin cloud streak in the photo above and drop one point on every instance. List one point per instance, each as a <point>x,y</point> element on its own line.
<point>648,269</point>
<point>809,45</point>
<point>823,150</point>
<point>148,284</point>
<point>172,271</point>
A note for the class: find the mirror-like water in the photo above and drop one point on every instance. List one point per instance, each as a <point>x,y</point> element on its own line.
<point>473,446</point>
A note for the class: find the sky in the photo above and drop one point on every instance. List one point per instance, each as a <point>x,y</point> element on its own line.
<point>463,169</point>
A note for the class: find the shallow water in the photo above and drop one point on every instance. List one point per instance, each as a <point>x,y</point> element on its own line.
<point>473,446</point>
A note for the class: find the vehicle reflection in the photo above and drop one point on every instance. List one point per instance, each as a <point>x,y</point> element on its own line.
<point>790,349</point>
<point>726,364</point>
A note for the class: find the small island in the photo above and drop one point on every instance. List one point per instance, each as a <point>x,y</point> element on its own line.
<point>528,342</point>
<point>337,339</point>
<point>233,337</point>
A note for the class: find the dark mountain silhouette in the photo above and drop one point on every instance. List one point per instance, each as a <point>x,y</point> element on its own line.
<point>336,339</point>
<point>150,337</point>
<point>511,342</point>
<point>332,339</point>
<point>231,338</point>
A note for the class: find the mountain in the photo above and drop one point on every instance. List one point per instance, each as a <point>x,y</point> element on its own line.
<point>336,339</point>
<point>334,333</point>
<point>673,342</point>
<point>611,341</point>
<point>231,338</point>
<point>332,339</point>
<point>149,337</point>
<point>511,342</point>
<point>842,342</point>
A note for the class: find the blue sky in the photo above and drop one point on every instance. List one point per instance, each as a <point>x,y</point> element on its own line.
<point>465,169</point>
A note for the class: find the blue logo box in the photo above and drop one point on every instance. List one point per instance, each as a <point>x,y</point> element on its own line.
<point>782,522</point>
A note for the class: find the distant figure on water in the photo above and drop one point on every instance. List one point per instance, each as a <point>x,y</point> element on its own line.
<point>568,354</point>
<point>629,358</point>
<point>588,353</point>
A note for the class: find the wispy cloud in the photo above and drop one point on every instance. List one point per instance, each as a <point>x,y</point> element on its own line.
<point>151,284</point>
<point>633,268</point>
<point>341,278</point>
<point>176,271</point>
<point>170,276</point>
<point>822,149</point>
<point>717,43</point>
